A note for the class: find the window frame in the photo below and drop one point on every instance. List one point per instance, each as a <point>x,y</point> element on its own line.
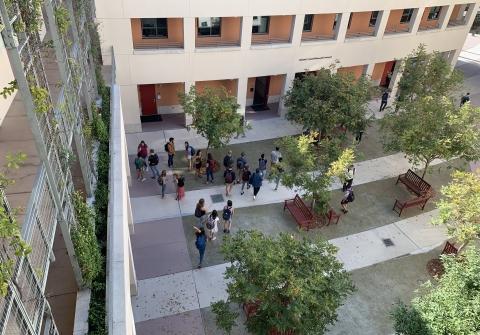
<point>156,28</point>
<point>210,28</point>
<point>373,15</point>
<point>310,22</point>
<point>350,21</point>
<point>434,14</point>
<point>408,15</point>
<point>338,18</point>
<point>267,27</point>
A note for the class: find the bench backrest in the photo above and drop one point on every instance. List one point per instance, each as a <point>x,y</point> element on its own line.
<point>417,180</point>
<point>449,249</point>
<point>415,201</point>
<point>302,207</point>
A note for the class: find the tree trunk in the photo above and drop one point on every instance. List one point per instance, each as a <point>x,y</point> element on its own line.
<point>427,163</point>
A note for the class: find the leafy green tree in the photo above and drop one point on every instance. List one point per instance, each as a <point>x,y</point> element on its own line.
<point>294,284</point>
<point>214,114</point>
<point>327,100</point>
<point>450,305</point>
<point>433,128</point>
<point>459,207</point>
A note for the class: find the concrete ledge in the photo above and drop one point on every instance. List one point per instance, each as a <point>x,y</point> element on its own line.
<point>80,326</point>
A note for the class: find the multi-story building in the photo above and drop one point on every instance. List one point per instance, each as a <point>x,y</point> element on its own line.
<point>256,48</point>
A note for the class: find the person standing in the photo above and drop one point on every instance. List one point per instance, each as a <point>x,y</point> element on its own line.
<point>347,183</point>
<point>170,148</point>
<point>256,182</point>
<point>278,172</point>
<point>229,176</point>
<point>200,243</point>
<point>180,182</point>
<point>153,162</point>
<point>241,162</point>
<point>210,167</point>
<point>198,164</point>
<point>274,156</point>
<point>384,102</point>
<point>200,211</point>
<point>262,165</point>
<point>241,128</point>
<point>162,181</point>
<point>227,216</point>
<point>465,99</point>
<point>348,197</point>
<point>189,153</point>
<point>228,160</point>
<point>246,174</point>
<point>140,167</point>
<point>142,150</point>
<point>212,225</point>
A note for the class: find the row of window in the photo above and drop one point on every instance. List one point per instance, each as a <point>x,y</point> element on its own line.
<point>211,26</point>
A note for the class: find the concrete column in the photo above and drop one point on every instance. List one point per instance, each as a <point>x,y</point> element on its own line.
<point>246,38</point>
<point>242,94</point>
<point>188,118</point>
<point>416,19</point>
<point>289,77</point>
<point>189,34</point>
<point>369,69</point>
<point>453,57</point>
<point>445,14</point>
<point>396,76</point>
<point>382,23</point>
<point>341,29</point>
<point>297,29</point>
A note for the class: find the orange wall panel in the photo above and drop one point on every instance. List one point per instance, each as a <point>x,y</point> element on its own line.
<point>393,22</point>
<point>322,25</point>
<point>425,22</point>
<point>175,32</point>
<point>230,85</point>
<point>230,31</point>
<point>276,85</point>
<point>250,87</point>
<point>280,27</point>
<point>169,93</point>
<point>360,23</point>
<point>455,13</point>
<point>357,71</point>
<point>378,71</point>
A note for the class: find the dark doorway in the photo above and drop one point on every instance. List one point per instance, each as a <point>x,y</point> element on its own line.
<point>387,74</point>
<point>148,103</point>
<point>260,97</point>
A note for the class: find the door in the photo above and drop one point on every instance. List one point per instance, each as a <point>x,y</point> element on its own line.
<point>260,97</point>
<point>148,100</point>
<point>387,73</point>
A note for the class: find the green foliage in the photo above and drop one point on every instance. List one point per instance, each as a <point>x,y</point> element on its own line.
<point>339,167</point>
<point>459,208</point>
<point>224,317</point>
<point>298,284</point>
<point>99,129</point>
<point>214,114</point>
<point>450,305</point>
<point>328,100</point>
<point>63,20</point>
<point>9,89</point>
<point>31,15</point>
<point>41,99</point>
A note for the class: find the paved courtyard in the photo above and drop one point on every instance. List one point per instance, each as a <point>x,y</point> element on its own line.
<point>174,297</point>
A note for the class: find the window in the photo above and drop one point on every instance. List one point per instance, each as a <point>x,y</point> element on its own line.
<point>434,13</point>
<point>349,21</point>
<point>336,20</point>
<point>260,24</point>
<point>154,28</point>
<point>209,26</point>
<point>406,15</point>
<point>373,18</point>
<point>465,11</point>
<point>308,22</point>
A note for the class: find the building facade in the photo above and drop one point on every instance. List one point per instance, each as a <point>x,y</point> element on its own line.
<point>256,48</point>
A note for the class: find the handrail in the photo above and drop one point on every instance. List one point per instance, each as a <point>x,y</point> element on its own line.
<point>201,43</point>
<point>157,44</point>
<point>358,34</point>
<point>318,37</point>
<point>270,40</point>
<point>397,29</point>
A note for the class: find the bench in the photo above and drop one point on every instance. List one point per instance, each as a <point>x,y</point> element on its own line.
<point>414,183</point>
<point>303,215</point>
<point>449,249</point>
<point>399,206</point>
<point>332,217</point>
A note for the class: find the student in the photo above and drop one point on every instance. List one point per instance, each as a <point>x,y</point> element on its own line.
<point>142,150</point>
<point>200,243</point>
<point>170,149</point>
<point>262,165</point>
<point>162,181</point>
<point>348,196</point>
<point>153,162</point>
<point>465,99</point>
<point>140,167</point>
<point>189,152</point>
<point>198,164</point>
<point>274,156</point>
<point>278,172</point>
<point>200,211</point>
<point>348,178</point>
<point>180,182</point>
<point>228,160</point>
<point>241,162</point>
<point>212,225</point>
<point>227,216</point>
<point>210,167</point>
<point>246,174</point>
<point>241,128</point>
<point>229,176</point>
<point>256,181</point>
<point>384,102</point>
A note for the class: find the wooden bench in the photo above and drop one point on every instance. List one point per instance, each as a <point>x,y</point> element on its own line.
<point>303,215</point>
<point>399,206</point>
<point>414,183</point>
<point>332,217</point>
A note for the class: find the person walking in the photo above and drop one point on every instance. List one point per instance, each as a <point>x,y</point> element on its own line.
<point>274,156</point>
<point>256,182</point>
<point>228,160</point>
<point>227,216</point>
<point>142,150</point>
<point>162,181</point>
<point>229,176</point>
<point>200,243</point>
<point>262,165</point>
<point>198,164</point>
<point>210,167</point>
<point>384,102</point>
<point>348,197</point>
<point>170,149</point>
<point>189,153</point>
<point>347,183</point>
<point>241,128</point>
<point>246,174</point>
<point>140,165</point>
<point>153,163</point>
<point>212,225</point>
<point>278,172</point>
<point>180,182</point>
<point>201,211</point>
<point>465,99</point>
<point>241,162</point>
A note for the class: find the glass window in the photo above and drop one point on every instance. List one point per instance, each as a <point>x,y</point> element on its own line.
<point>406,15</point>
<point>260,24</point>
<point>209,26</point>
<point>308,22</point>
<point>373,18</point>
<point>434,13</point>
<point>154,28</point>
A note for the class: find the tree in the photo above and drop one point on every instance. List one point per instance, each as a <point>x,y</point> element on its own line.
<point>214,114</point>
<point>433,127</point>
<point>294,285</point>
<point>449,305</point>
<point>459,207</point>
<point>327,100</point>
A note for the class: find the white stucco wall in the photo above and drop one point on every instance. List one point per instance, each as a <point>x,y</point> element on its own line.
<point>6,76</point>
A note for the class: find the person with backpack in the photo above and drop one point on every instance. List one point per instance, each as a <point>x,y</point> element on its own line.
<point>198,164</point>
<point>348,197</point>
<point>227,217</point>
<point>241,162</point>
<point>278,172</point>
<point>200,243</point>
<point>212,225</point>
<point>200,211</point>
<point>180,182</point>
<point>347,183</point>
<point>170,149</point>
<point>274,156</point>
<point>142,150</point>
<point>162,181</point>
<point>189,153</point>
<point>262,165</point>
<point>465,99</point>
<point>210,167</point>
<point>228,160</point>
<point>256,182</point>
<point>153,162</point>
<point>140,167</point>
<point>229,176</point>
<point>246,174</point>
<point>384,102</point>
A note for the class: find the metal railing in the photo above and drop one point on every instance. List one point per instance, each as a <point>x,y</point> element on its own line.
<point>429,25</point>
<point>359,34</point>
<point>395,29</point>
<point>456,23</point>
<point>157,44</point>
<point>212,43</point>
<point>259,39</point>
<point>318,37</point>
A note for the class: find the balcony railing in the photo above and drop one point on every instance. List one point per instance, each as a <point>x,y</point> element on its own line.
<point>269,40</point>
<point>157,44</point>
<point>430,25</point>
<point>210,43</point>
<point>397,29</point>
<point>359,34</point>
<point>318,37</point>
<point>456,23</point>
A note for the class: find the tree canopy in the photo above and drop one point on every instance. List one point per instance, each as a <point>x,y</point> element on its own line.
<point>296,284</point>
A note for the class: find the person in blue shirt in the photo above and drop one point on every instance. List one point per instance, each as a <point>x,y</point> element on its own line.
<point>256,182</point>
<point>200,243</point>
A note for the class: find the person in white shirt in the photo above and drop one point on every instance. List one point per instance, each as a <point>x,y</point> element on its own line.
<point>275,155</point>
<point>212,225</point>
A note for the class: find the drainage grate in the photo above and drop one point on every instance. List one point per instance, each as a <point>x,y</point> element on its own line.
<point>388,242</point>
<point>216,198</point>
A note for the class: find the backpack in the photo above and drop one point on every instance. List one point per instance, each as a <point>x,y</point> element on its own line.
<point>211,164</point>
<point>201,242</point>
<point>154,159</point>
<point>262,164</point>
<point>166,147</point>
<point>160,181</point>
<point>240,163</point>
<point>246,175</point>
<point>351,197</point>
<point>198,212</point>
<point>192,151</point>
<point>229,177</point>
<point>210,223</point>
<point>227,213</point>
<point>227,161</point>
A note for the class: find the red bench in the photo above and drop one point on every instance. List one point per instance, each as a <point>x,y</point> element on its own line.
<point>303,215</point>
<point>399,206</point>
<point>414,183</point>
<point>449,249</point>
<point>332,217</point>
